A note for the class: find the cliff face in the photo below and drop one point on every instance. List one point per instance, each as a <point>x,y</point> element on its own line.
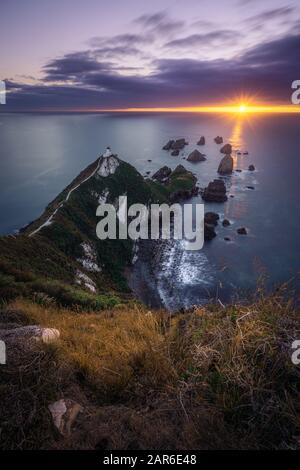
<point>60,250</point>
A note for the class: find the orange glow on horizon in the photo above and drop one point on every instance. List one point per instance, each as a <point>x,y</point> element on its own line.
<point>235,109</point>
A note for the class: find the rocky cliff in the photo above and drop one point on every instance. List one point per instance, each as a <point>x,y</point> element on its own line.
<point>59,255</point>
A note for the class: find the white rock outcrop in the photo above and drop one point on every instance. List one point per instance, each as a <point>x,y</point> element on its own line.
<point>108,166</point>
<point>89,259</point>
<point>64,412</point>
<point>86,281</point>
<point>102,198</point>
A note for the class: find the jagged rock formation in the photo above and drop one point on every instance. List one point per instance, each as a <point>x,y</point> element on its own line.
<point>209,232</point>
<point>168,145</point>
<point>182,184</point>
<point>196,156</point>
<point>227,149</point>
<point>108,166</point>
<point>211,218</point>
<point>162,174</point>
<point>215,191</point>
<point>226,165</point>
<point>201,141</point>
<point>178,144</point>
<point>210,222</point>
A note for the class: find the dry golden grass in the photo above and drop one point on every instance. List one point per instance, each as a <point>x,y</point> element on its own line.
<point>210,378</point>
<point>110,350</point>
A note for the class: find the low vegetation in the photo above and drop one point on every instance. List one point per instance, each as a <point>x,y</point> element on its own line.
<point>210,378</point>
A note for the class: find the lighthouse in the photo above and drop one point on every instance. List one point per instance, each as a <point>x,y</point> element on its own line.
<point>107,152</point>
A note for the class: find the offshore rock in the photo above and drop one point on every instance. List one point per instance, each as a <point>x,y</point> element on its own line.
<point>215,192</point>
<point>226,165</point>
<point>227,149</point>
<point>196,156</point>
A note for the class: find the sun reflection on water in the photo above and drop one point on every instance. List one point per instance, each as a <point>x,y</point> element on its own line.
<point>236,138</point>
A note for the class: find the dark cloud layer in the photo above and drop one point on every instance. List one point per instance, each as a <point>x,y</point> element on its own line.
<point>89,81</point>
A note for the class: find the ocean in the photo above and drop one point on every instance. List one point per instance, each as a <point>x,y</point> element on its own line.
<point>41,153</point>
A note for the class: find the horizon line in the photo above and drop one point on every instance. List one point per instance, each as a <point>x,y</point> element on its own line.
<point>228,109</point>
<point>239,109</point>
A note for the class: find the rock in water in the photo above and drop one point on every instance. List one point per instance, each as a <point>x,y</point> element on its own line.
<point>201,141</point>
<point>211,218</point>
<point>162,174</point>
<point>215,192</point>
<point>168,145</point>
<point>178,176</point>
<point>251,168</point>
<point>242,231</point>
<point>226,165</point>
<point>227,149</point>
<point>219,139</point>
<point>196,156</point>
<point>179,144</point>
<point>209,232</point>
<point>225,223</point>
<point>175,153</point>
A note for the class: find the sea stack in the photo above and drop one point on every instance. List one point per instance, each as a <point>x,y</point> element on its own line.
<point>201,141</point>
<point>211,218</point>
<point>227,149</point>
<point>215,192</point>
<point>168,145</point>
<point>219,139</point>
<point>179,144</point>
<point>226,165</point>
<point>196,156</point>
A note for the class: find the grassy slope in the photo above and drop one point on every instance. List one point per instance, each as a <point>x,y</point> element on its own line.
<point>212,378</point>
<point>46,263</point>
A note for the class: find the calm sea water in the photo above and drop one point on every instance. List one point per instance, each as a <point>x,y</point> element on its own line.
<point>40,154</point>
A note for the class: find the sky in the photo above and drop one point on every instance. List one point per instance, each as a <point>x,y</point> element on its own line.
<point>95,54</point>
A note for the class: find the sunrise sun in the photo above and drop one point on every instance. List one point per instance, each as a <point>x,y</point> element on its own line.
<point>242,108</point>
